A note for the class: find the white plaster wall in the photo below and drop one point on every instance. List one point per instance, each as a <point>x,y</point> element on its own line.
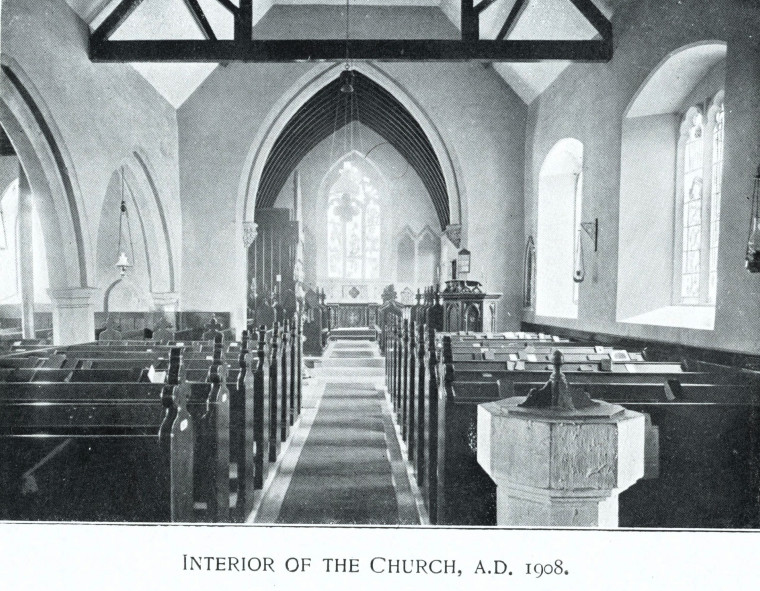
<point>588,102</point>
<point>647,184</point>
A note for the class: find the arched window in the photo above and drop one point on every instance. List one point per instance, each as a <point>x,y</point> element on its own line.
<point>560,197</point>
<point>406,259</point>
<point>692,185</point>
<point>353,227</point>
<point>427,257</point>
<point>670,188</point>
<point>717,190</point>
<point>10,292</point>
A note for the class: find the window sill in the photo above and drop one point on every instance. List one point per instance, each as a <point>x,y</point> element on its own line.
<point>696,317</point>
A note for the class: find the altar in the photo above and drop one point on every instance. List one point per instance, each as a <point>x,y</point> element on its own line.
<point>353,314</point>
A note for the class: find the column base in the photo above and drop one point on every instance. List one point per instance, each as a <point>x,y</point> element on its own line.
<point>73,315</point>
<point>167,302</point>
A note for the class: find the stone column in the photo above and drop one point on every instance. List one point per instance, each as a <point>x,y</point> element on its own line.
<point>26,255</point>
<point>559,468</point>
<point>73,315</point>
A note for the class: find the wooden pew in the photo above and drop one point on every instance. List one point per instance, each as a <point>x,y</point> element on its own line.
<point>209,406</point>
<point>273,383</point>
<point>283,382</point>
<point>261,411</point>
<point>465,494</point>
<point>97,452</point>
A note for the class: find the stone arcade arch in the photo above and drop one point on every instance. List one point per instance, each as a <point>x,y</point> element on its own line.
<point>49,169</point>
<point>152,279</point>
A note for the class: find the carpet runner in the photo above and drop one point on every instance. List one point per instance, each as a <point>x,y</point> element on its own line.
<point>350,469</point>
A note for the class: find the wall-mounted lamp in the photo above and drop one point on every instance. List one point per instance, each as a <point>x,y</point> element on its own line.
<point>752,261</point>
<point>592,230</point>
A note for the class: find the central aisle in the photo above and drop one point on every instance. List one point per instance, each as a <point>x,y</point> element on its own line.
<point>345,466</point>
<point>344,473</point>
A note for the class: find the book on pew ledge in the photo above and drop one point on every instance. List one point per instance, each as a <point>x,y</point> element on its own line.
<point>156,377</point>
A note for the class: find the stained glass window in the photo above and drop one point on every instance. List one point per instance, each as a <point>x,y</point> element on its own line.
<point>353,227</point>
<point>717,178</point>
<point>702,171</point>
<point>692,209</point>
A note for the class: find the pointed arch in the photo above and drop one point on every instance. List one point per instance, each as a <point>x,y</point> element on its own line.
<point>150,250</point>
<point>284,110</point>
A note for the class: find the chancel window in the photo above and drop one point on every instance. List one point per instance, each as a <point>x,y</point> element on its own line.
<point>701,155</point>
<point>717,180</point>
<point>353,227</point>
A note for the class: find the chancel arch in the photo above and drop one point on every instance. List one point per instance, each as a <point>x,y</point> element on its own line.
<point>670,191</point>
<point>560,193</point>
<point>394,127</point>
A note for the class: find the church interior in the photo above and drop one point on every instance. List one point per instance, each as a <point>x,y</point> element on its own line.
<point>400,262</point>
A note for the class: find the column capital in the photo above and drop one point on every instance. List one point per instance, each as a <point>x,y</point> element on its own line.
<point>454,234</point>
<point>73,297</point>
<point>250,231</point>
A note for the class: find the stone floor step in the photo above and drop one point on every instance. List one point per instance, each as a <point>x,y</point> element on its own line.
<point>353,362</point>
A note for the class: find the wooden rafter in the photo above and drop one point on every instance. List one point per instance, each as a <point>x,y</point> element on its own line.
<point>483,5</point>
<point>595,16</point>
<point>114,20</point>
<point>229,6</point>
<point>200,19</point>
<point>246,49</point>
<point>514,15</point>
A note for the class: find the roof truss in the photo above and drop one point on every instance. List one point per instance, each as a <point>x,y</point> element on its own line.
<point>246,49</point>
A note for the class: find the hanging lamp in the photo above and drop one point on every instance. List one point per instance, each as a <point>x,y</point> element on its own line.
<point>122,262</point>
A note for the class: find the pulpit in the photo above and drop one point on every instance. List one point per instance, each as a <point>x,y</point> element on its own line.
<point>466,308</point>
